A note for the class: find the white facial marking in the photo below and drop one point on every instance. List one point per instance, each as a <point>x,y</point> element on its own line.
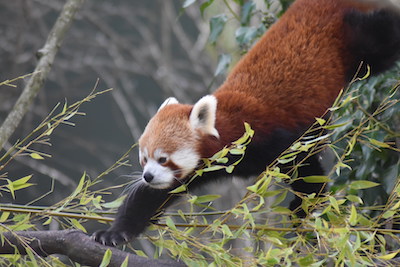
<point>186,159</point>
<point>143,156</point>
<point>163,176</point>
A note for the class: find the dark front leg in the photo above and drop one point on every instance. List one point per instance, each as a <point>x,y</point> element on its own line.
<point>312,167</point>
<point>134,215</point>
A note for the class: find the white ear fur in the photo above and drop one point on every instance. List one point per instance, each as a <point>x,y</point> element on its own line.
<point>168,101</point>
<point>203,115</point>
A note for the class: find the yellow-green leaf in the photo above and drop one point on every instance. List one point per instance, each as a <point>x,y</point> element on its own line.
<point>79,188</point>
<point>179,189</point>
<point>114,204</point>
<point>353,216</point>
<point>170,223</point>
<point>362,184</point>
<point>320,121</point>
<point>35,156</point>
<point>378,143</point>
<point>316,179</point>
<point>355,199</point>
<point>78,225</point>
<point>4,216</point>
<point>388,256</point>
<point>334,204</point>
<point>106,258</point>
<point>48,221</point>
<point>125,262</point>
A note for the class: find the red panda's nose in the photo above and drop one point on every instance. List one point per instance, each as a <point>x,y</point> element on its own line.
<point>148,177</point>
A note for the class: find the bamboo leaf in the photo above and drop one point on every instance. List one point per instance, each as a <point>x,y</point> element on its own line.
<point>353,216</point>
<point>35,156</point>
<point>179,189</point>
<point>362,184</point>
<point>316,179</point>
<point>78,225</point>
<point>106,258</point>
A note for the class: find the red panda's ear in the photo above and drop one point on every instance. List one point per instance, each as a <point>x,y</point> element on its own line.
<point>203,115</point>
<point>168,101</point>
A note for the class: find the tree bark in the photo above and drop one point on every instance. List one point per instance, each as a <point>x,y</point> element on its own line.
<point>74,244</point>
<point>36,81</point>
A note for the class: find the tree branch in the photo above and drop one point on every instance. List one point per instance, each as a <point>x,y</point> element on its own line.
<point>75,244</point>
<point>35,83</point>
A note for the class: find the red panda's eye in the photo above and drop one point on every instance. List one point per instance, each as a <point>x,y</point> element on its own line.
<point>162,160</point>
<point>144,160</point>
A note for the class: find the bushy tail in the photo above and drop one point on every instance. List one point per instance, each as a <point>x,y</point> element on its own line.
<point>375,36</point>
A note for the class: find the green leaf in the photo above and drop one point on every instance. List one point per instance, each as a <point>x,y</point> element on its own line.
<point>378,143</point>
<point>353,216</point>
<point>388,214</point>
<point>224,61</point>
<point>320,121</point>
<point>10,187</point>
<point>331,127</point>
<point>4,216</point>
<point>78,225</point>
<point>230,169</point>
<point>35,156</point>
<point>362,184</point>
<point>213,168</point>
<point>334,204</point>
<point>21,183</point>
<point>248,129</point>
<point>48,221</point>
<point>247,11</point>
<point>222,160</point>
<point>245,35</point>
<point>316,179</point>
<point>203,199</point>
<point>114,204</point>
<point>179,189</point>
<point>217,24</point>
<point>205,5</point>
<point>79,188</point>
<point>306,261</point>
<point>237,151</point>
<point>140,253</point>
<point>355,199</point>
<point>106,258</point>
<point>284,161</point>
<point>50,130</point>
<point>170,223</point>
<point>125,262</point>
<point>279,198</point>
<point>388,256</point>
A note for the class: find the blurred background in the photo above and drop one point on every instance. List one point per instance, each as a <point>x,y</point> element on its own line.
<point>145,50</point>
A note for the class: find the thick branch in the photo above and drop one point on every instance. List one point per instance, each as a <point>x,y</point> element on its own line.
<point>75,244</point>
<point>35,83</point>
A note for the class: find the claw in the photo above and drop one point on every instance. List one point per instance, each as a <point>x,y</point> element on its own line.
<point>125,237</point>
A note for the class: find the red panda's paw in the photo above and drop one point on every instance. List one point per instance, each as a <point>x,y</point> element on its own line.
<point>112,238</point>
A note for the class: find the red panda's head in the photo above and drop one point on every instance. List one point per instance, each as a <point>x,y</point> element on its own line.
<point>169,145</point>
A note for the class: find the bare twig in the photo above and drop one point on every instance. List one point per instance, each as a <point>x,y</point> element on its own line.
<point>35,83</point>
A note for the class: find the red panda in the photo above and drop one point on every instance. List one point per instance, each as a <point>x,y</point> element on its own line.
<point>290,77</point>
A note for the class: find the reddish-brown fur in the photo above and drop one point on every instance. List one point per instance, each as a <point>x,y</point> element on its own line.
<point>292,75</point>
